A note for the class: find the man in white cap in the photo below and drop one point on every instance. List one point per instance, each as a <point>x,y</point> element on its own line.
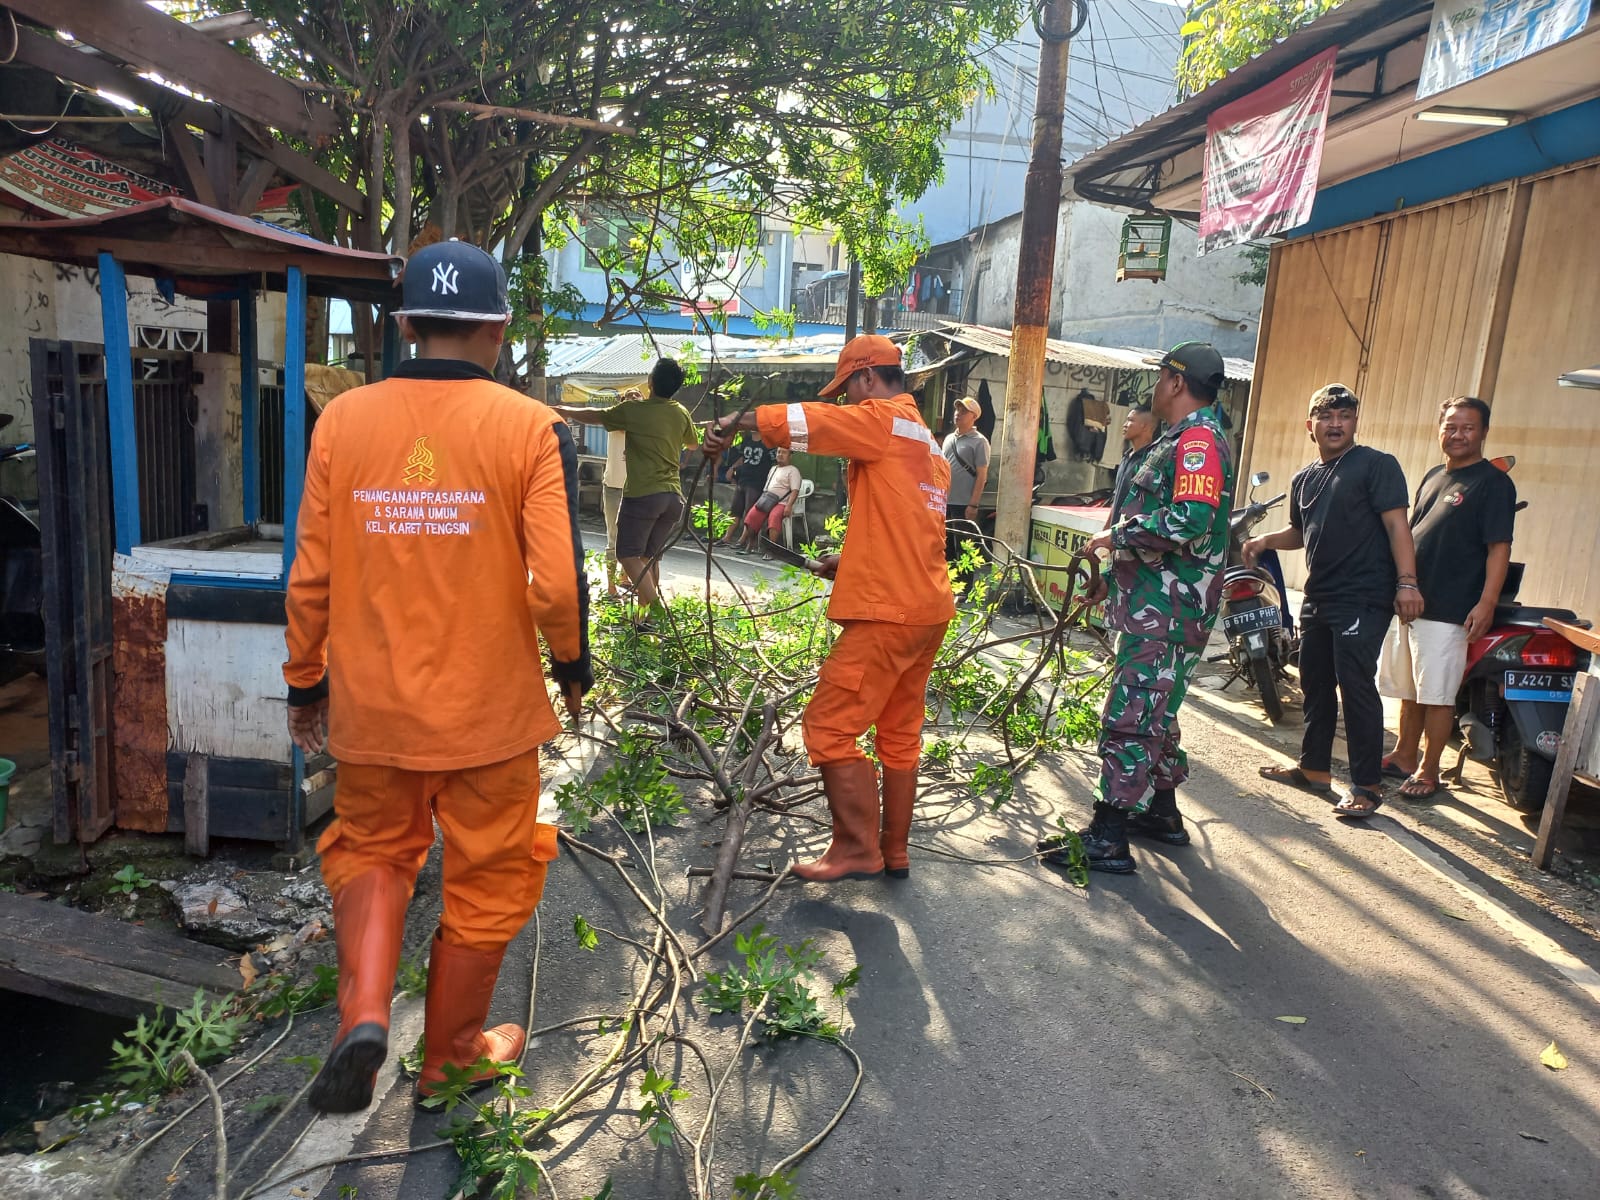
<point>967,452</point>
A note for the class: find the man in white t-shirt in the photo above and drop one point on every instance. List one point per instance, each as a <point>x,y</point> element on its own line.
<point>967,452</point>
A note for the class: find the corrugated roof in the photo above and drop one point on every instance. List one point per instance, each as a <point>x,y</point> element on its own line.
<point>989,340</point>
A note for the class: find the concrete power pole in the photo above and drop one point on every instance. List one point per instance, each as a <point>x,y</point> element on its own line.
<point>1041,210</point>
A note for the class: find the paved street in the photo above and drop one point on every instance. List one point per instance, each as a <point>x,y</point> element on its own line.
<point>1022,1038</point>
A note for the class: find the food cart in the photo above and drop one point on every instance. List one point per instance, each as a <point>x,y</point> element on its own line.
<point>1057,533</point>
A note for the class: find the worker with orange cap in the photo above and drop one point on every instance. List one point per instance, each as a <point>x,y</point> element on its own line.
<point>438,538</point>
<point>891,600</point>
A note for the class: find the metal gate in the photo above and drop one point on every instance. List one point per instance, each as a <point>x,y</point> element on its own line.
<point>269,441</point>
<point>73,448</point>
<point>164,414</point>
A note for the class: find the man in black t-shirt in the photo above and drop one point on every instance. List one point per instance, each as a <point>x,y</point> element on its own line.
<point>1348,511</point>
<point>1461,522</point>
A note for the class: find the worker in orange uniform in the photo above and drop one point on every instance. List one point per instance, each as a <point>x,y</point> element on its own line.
<point>438,537</point>
<point>891,600</point>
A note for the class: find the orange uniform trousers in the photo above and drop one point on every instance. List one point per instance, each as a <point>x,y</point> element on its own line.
<point>495,850</point>
<point>875,677</point>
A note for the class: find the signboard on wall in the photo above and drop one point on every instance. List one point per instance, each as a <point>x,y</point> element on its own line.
<point>712,287</point>
<point>65,179</point>
<point>1263,155</point>
<point>1467,41</point>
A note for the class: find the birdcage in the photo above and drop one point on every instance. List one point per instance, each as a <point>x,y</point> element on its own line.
<point>1145,241</point>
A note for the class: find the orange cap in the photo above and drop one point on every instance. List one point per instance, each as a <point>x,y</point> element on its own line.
<point>868,350</point>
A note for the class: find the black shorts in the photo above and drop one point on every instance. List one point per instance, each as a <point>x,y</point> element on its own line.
<point>744,495</point>
<point>645,524</point>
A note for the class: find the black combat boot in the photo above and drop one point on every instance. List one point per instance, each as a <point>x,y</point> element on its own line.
<point>1161,821</point>
<point>1105,842</point>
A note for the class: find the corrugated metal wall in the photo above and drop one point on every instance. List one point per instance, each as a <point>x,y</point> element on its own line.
<point>1403,310</point>
<point>1554,326</point>
<point>1318,301</point>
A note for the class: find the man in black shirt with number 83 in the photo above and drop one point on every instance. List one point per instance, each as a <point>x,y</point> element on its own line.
<point>1348,510</point>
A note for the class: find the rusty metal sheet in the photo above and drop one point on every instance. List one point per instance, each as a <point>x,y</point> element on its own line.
<point>139,730</point>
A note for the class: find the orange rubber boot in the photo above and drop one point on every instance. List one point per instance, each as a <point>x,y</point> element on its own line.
<point>369,921</point>
<point>899,798</point>
<point>852,791</point>
<point>460,990</point>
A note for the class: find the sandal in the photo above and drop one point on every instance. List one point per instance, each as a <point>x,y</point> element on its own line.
<point>1359,804</point>
<point>1393,770</point>
<point>1426,788</point>
<point>1295,778</point>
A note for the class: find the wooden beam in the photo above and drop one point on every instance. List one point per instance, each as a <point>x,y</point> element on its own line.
<point>1582,712</point>
<point>150,40</point>
<point>222,162</point>
<point>199,258</point>
<point>94,71</point>
<point>197,807</point>
<point>101,963</point>
<point>182,143</point>
<point>252,183</point>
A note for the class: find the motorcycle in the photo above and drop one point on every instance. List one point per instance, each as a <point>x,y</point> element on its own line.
<point>1260,632</point>
<point>21,572</point>
<point>1513,700</point>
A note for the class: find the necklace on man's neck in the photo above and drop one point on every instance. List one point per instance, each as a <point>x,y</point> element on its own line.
<point>1323,480</point>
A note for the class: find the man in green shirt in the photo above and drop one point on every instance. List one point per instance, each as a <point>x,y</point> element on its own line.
<point>658,429</point>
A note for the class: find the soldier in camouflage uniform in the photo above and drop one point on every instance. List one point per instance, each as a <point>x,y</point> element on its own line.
<point>1168,548</point>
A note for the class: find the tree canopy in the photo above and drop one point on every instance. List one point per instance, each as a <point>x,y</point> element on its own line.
<point>825,114</point>
<point>1220,35</point>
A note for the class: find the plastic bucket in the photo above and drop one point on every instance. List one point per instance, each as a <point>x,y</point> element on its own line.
<point>7,770</point>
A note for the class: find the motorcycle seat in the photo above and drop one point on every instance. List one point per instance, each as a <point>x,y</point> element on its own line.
<point>1516,614</point>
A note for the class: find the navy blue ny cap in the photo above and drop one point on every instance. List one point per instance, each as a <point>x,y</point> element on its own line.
<point>456,281</point>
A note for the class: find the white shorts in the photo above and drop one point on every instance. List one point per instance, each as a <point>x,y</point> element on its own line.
<point>1423,661</point>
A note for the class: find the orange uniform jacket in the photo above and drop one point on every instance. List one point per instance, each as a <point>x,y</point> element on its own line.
<point>438,537</point>
<point>892,565</point>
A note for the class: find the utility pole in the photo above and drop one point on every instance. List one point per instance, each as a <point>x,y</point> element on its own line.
<point>852,305</point>
<point>1041,210</point>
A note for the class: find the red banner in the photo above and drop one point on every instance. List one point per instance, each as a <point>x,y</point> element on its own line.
<point>1263,154</point>
<point>64,179</point>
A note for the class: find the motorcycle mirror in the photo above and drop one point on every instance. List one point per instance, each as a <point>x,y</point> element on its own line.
<point>1259,478</point>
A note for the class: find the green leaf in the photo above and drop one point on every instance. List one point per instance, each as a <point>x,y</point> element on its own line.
<point>1291,1020</point>
<point>848,980</point>
<point>588,939</point>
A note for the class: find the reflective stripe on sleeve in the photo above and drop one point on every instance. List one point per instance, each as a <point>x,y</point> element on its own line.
<point>916,431</point>
<point>799,431</point>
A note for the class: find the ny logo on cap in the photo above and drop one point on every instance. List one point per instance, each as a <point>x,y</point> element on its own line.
<point>444,279</point>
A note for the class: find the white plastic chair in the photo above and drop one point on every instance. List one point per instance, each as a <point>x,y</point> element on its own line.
<point>798,512</point>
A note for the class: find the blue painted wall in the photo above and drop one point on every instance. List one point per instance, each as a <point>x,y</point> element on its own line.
<point>1542,144</point>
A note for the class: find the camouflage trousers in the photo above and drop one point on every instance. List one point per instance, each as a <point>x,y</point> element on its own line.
<point>1140,746</point>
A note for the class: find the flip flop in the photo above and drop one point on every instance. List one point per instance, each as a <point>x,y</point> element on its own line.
<point>1391,770</point>
<point>1295,778</point>
<point>1430,787</point>
<point>1357,811</point>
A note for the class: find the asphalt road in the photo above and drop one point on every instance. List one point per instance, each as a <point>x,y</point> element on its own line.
<point>1023,1038</point>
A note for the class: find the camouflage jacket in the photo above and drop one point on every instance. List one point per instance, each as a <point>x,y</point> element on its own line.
<point>1171,541</point>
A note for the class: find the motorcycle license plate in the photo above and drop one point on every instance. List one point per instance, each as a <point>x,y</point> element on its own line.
<point>1265,617</point>
<point>1554,687</point>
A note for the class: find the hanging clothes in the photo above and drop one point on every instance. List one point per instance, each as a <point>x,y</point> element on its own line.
<point>1088,441</point>
<point>985,424</point>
